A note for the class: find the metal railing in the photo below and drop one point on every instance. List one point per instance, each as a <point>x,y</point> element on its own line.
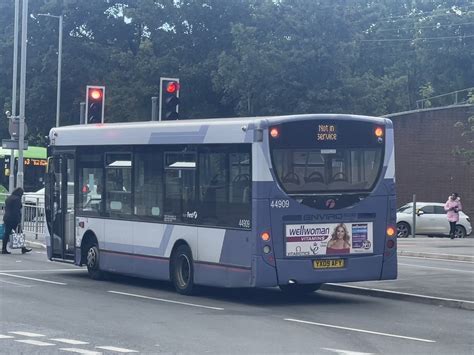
<point>33,218</point>
<point>458,97</point>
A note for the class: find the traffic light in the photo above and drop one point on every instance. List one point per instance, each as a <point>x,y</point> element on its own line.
<point>95,104</point>
<point>169,99</point>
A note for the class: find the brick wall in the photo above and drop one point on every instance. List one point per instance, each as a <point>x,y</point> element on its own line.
<point>425,165</point>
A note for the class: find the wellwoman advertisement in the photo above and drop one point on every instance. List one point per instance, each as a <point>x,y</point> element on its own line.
<point>329,238</point>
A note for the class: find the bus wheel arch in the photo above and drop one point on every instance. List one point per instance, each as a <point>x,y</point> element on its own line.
<point>90,255</point>
<point>182,268</point>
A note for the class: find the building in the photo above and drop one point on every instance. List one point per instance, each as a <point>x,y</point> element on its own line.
<point>424,159</point>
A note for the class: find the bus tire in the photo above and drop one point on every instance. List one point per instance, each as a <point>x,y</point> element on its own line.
<point>92,262</point>
<point>299,289</point>
<point>182,270</point>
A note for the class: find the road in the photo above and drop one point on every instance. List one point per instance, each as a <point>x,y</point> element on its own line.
<point>54,308</point>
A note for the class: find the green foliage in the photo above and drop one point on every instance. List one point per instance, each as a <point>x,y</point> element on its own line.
<point>467,133</point>
<point>240,57</point>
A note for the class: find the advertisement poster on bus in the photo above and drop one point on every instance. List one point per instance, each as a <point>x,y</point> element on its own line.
<point>329,239</point>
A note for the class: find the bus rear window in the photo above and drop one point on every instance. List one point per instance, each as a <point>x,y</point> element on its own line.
<point>347,159</point>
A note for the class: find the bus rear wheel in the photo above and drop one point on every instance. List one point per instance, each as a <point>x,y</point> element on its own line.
<point>182,272</point>
<point>92,262</point>
<point>299,289</point>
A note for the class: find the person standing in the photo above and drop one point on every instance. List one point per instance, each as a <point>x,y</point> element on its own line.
<point>452,208</point>
<point>12,218</point>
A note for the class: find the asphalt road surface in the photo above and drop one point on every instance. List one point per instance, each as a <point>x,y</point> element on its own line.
<point>54,308</point>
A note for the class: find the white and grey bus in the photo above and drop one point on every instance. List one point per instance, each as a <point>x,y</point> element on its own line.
<point>289,201</point>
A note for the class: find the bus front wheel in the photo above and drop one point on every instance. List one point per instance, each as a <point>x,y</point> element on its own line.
<point>299,289</point>
<point>93,262</point>
<point>182,273</point>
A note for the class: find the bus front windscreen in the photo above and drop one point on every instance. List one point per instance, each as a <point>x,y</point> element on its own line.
<point>315,157</point>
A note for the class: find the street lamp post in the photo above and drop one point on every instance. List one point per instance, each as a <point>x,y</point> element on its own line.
<point>60,50</point>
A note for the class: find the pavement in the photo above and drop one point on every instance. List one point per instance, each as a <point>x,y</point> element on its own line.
<point>437,271</point>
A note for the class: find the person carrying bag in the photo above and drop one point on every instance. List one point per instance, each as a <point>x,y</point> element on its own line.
<point>452,208</point>
<point>11,220</point>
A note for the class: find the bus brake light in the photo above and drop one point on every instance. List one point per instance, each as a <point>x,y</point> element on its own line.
<point>391,231</point>
<point>274,132</point>
<point>265,236</point>
<point>378,132</point>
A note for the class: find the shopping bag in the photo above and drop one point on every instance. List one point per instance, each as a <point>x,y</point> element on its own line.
<point>17,240</point>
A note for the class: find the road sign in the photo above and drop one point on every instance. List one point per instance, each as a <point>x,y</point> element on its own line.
<point>14,127</point>
<point>13,144</point>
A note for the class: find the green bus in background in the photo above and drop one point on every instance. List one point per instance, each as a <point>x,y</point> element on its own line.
<point>35,162</point>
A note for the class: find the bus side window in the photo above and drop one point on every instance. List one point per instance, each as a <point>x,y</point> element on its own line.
<point>149,182</point>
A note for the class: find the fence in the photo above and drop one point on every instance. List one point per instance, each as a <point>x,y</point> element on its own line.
<point>33,218</point>
<point>458,97</point>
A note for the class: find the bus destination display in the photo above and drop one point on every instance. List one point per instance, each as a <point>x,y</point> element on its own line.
<point>327,132</point>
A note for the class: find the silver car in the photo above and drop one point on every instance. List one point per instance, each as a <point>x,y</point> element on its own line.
<point>430,220</point>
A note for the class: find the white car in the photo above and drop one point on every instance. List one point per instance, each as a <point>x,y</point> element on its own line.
<point>37,198</point>
<point>430,220</point>
<point>34,198</point>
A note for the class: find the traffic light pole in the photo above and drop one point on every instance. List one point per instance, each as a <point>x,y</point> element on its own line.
<point>153,107</point>
<point>11,178</point>
<point>21,138</point>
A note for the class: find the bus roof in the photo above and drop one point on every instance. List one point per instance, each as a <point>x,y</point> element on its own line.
<point>218,130</point>
<point>32,152</point>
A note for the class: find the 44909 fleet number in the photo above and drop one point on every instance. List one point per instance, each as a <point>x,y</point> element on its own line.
<point>280,204</point>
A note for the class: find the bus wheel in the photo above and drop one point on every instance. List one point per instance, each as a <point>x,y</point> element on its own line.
<point>183,270</point>
<point>403,230</point>
<point>299,289</point>
<point>93,262</point>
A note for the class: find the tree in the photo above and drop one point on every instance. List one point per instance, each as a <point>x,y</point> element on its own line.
<point>467,131</point>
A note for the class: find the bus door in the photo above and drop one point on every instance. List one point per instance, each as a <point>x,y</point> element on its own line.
<point>60,206</point>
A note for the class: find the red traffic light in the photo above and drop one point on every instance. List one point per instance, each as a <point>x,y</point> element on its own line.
<point>95,94</point>
<point>172,87</point>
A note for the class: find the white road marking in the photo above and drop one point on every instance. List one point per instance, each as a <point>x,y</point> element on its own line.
<point>346,352</point>
<point>70,341</point>
<point>359,330</point>
<point>437,268</point>
<point>6,336</point>
<point>44,270</point>
<point>81,351</point>
<point>14,283</point>
<point>434,259</point>
<point>28,334</point>
<point>34,279</point>
<point>440,254</point>
<point>406,294</point>
<point>35,342</point>
<point>165,300</point>
<point>119,350</point>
